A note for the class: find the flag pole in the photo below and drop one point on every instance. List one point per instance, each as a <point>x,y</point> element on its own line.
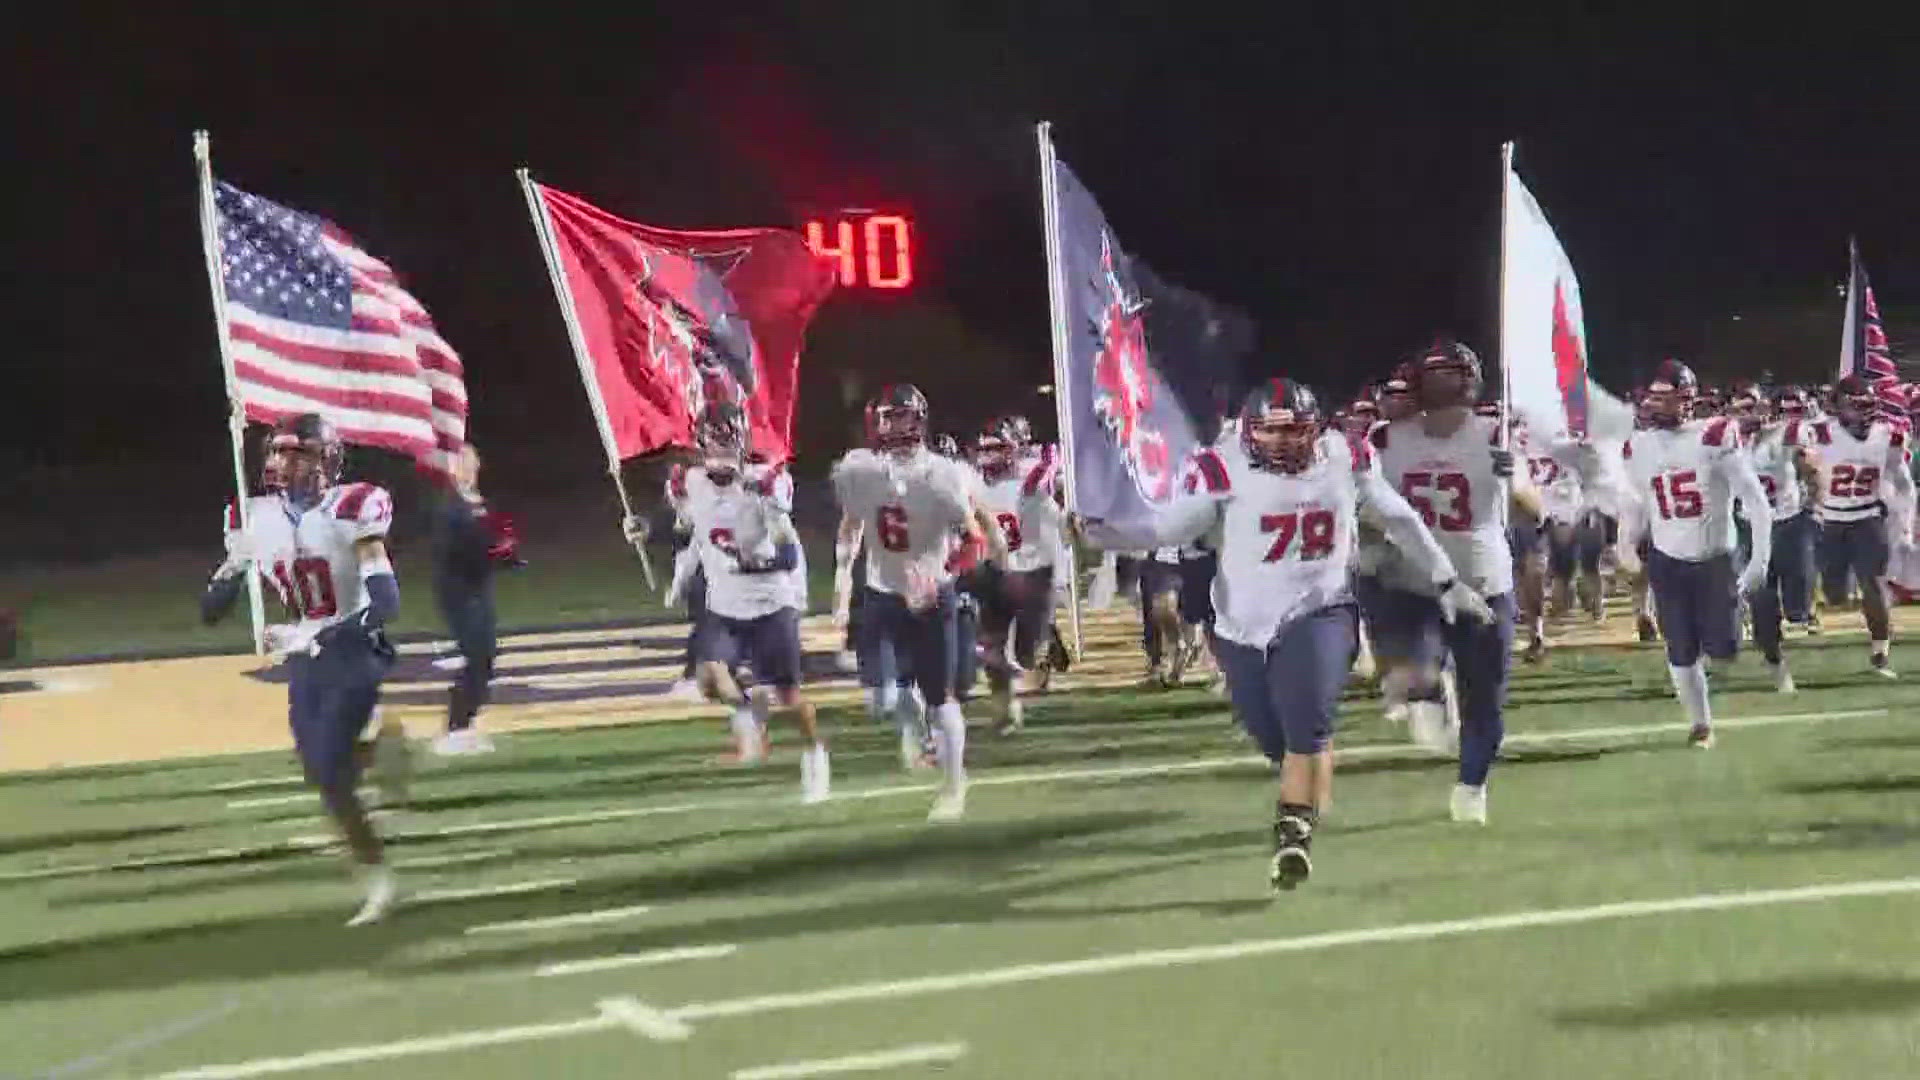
<point>1849,323</point>
<point>1506,367</point>
<point>543,231</point>
<point>1062,388</point>
<point>236,409</point>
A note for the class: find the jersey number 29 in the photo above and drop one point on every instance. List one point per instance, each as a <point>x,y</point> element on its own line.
<point>308,587</point>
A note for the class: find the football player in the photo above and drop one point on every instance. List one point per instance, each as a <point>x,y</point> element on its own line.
<point>322,546</point>
<point>1784,473</point>
<point>469,541</point>
<point>1283,505</point>
<point>914,502</point>
<point>1863,501</point>
<point>688,585</point>
<point>1450,466</point>
<point>1684,476</point>
<point>744,539</point>
<point>1017,603</point>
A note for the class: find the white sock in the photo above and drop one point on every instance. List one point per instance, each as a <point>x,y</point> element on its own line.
<point>1690,683</point>
<point>746,732</point>
<point>1880,648</point>
<point>881,700</point>
<point>950,738</point>
<point>817,754</point>
<point>762,703</point>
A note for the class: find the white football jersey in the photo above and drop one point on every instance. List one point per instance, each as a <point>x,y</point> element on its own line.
<point>308,557</point>
<point>910,510</point>
<point>1552,468</point>
<point>727,519</point>
<point>1022,503</point>
<point>1854,473</point>
<point>1451,483</point>
<point>1681,479</point>
<point>1286,541</point>
<point>1773,461</point>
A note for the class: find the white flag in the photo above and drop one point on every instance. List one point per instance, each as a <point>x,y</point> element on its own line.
<point>1543,334</point>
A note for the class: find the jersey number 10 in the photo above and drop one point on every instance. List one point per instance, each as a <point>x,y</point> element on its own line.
<point>308,587</point>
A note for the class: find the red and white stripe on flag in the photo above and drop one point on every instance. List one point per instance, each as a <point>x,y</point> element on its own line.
<point>387,380</point>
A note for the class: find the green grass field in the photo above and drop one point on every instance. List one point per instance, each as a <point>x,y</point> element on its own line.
<point>1102,912</point>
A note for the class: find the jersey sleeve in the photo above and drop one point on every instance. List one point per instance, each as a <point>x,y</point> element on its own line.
<point>365,510</point>
<point>1206,475</point>
<point>854,478</point>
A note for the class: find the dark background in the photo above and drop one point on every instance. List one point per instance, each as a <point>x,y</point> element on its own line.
<point>1331,168</point>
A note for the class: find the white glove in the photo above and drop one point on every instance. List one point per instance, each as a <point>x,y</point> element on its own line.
<point>285,639</point>
<point>1459,599</point>
<point>634,528</point>
<point>1753,577</point>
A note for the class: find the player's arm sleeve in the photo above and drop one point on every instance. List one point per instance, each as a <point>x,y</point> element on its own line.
<point>376,573</point>
<point>1181,520</point>
<point>1384,507</point>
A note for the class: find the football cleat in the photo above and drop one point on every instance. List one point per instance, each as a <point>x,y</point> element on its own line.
<point>950,804</point>
<point>462,743</point>
<point>1292,863</point>
<point>1468,804</point>
<point>382,891</point>
<point>1782,678</point>
<point>1700,737</point>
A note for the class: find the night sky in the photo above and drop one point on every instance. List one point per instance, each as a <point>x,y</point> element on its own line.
<point>1333,172</point>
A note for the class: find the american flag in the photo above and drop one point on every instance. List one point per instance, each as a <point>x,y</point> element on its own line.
<point>318,325</point>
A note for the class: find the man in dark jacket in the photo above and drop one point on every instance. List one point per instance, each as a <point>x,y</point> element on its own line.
<point>468,542</point>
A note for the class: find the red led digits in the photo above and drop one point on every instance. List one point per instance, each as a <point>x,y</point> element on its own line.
<point>883,258</point>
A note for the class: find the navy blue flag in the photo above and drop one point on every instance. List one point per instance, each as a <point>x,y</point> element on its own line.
<point>1149,367</point>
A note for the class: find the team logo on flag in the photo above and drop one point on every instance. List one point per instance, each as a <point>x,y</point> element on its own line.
<point>1123,390</point>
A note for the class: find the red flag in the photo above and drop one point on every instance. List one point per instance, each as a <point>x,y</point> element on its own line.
<point>674,319</point>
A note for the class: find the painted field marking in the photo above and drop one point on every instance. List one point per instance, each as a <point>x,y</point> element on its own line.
<point>643,1019</point>
<point>154,1036</point>
<point>632,960</point>
<point>251,785</point>
<point>436,896</point>
<point>921,1054</point>
<point>1113,963</point>
<point>578,918</point>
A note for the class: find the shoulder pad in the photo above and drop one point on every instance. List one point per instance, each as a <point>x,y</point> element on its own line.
<point>1715,433</point>
<point>1362,453</point>
<point>364,504</point>
<point>1040,477</point>
<point>1823,433</point>
<point>1791,433</point>
<point>1209,470</point>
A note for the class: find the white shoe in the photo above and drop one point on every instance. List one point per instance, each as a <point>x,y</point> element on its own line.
<point>1012,717</point>
<point>951,804</point>
<point>1782,678</point>
<point>1397,712</point>
<point>382,891</point>
<point>1468,804</point>
<point>1427,725</point>
<point>846,662</point>
<point>463,742</point>
<point>684,690</point>
<point>1882,667</point>
<point>455,662</point>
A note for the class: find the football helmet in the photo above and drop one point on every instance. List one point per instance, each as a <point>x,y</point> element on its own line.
<point>897,419</point>
<point>1280,424</point>
<point>1855,404</point>
<point>724,439</point>
<point>1670,394</point>
<point>1747,406</point>
<point>994,452</point>
<point>1396,394</point>
<point>304,455</point>
<point>1446,376</point>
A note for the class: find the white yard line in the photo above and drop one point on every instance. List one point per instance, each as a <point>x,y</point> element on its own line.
<point>922,1054</point>
<point>429,862</point>
<point>645,1020</point>
<point>1115,963</point>
<point>578,918</point>
<point>250,785</point>
<point>633,960</point>
<point>433,896</point>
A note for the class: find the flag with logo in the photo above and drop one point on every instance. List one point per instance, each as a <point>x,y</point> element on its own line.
<point>668,320</point>
<point>1863,341</point>
<point>1137,360</point>
<point>1543,331</point>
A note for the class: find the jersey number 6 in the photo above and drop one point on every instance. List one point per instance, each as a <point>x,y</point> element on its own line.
<point>1315,529</point>
<point>892,526</point>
